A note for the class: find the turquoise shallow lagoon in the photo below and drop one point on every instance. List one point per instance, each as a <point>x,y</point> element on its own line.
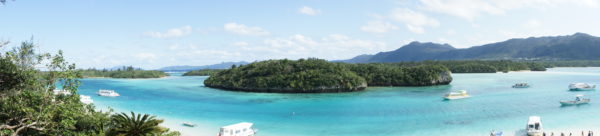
<point>378,111</point>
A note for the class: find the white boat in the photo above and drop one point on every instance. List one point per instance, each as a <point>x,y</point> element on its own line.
<point>239,129</point>
<point>460,94</point>
<point>85,99</point>
<point>534,126</point>
<point>520,85</point>
<point>496,133</point>
<point>578,100</point>
<point>109,93</point>
<point>581,87</point>
<point>61,92</point>
<point>189,124</point>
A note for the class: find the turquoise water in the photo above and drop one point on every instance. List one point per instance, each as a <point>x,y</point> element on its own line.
<point>378,111</point>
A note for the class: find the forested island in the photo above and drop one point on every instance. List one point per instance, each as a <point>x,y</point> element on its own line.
<point>124,72</point>
<point>202,72</point>
<point>316,76</point>
<point>481,66</point>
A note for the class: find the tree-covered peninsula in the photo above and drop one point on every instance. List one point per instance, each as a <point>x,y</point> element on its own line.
<point>481,66</point>
<point>316,76</point>
<point>125,72</point>
<point>202,72</point>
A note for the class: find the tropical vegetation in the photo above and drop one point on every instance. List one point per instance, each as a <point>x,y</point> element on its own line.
<point>480,66</point>
<point>378,74</point>
<point>316,75</point>
<point>202,72</point>
<point>124,72</point>
<point>288,76</point>
<point>28,107</point>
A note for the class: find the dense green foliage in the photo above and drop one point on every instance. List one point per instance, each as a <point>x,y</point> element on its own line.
<point>137,125</point>
<point>29,108</point>
<point>390,75</point>
<point>570,63</point>
<point>480,66</point>
<point>287,76</point>
<point>125,72</point>
<point>202,72</point>
<point>315,75</point>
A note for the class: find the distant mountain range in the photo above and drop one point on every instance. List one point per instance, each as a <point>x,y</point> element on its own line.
<point>579,46</point>
<point>223,65</point>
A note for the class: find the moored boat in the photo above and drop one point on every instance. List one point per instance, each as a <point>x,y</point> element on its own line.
<point>534,126</point>
<point>578,100</point>
<point>189,124</point>
<point>85,99</point>
<point>61,92</point>
<point>239,129</point>
<point>109,93</point>
<point>460,94</point>
<point>520,85</point>
<point>496,133</point>
<point>581,87</point>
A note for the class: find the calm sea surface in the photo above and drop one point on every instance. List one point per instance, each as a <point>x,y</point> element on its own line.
<point>378,111</point>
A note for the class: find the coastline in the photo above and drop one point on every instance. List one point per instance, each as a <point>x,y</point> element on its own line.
<point>123,78</point>
<point>173,123</point>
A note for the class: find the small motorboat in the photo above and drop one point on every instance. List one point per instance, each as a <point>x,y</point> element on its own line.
<point>86,99</point>
<point>109,93</point>
<point>534,126</point>
<point>189,124</point>
<point>578,100</point>
<point>496,133</point>
<point>520,85</point>
<point>239,129</point>
<point>61,92</point>
<point>581,87</point>
<point>460,94</point>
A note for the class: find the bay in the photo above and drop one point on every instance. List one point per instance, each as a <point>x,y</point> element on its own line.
<point>377,111</point>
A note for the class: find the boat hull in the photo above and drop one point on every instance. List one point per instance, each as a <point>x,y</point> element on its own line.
<point>582,89</point>
<point>520,87</point>
<point>568,103</point>
<point>456,97</point>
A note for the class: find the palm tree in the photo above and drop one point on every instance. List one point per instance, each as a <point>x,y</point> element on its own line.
<point>135,125</point>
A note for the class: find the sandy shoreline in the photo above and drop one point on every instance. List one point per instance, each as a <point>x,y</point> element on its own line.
<point>174,124</point>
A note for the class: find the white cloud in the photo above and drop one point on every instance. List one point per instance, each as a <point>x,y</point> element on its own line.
<point>378,27</point>
<point>240,43</point>
<point>174,32</point>
<point>196,54</point>
<point>532,24</point>
<point>471,9</point>
<point>415,29</point>
<point>309,11</point>
<point>334,46</point>
<point>242,29</point>
<point>145,56</point>
<point>414,21</point>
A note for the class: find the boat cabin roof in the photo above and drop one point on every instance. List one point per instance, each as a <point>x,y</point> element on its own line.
<point>240,125</point>
<point>534,119</point>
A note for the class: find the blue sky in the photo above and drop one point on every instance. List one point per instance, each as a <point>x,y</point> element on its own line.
<point>154,34</point>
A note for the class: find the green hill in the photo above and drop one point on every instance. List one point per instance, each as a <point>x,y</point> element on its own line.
<point>316,76</point>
